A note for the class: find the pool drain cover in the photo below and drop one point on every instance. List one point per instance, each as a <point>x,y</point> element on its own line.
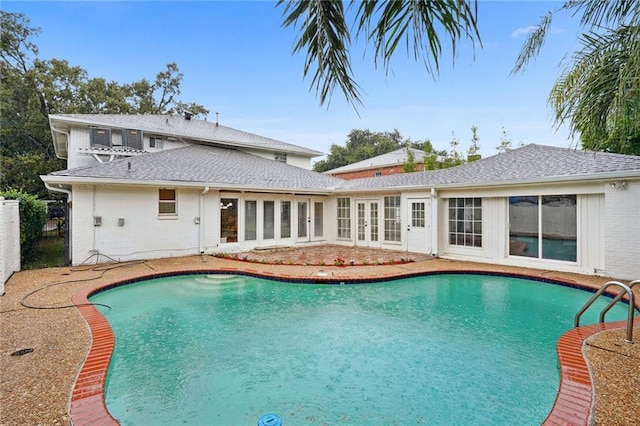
<point>22,352</point>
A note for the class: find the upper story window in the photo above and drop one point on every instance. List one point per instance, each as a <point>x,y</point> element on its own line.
<point>167,202</point>
<point>100,137</point>
<point>155,142</point>
<point>132,139</point>
<point>280,157</point>
<point>377,174</point>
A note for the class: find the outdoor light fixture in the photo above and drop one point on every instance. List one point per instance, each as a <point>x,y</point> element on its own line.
<point>619,184</point>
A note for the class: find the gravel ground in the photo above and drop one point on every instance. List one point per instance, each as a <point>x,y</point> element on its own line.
<point>35,388</point>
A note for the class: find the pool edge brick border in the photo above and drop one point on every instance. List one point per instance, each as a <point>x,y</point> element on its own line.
<point>573,404</point>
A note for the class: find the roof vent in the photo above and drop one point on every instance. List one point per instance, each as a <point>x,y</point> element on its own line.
<point>187,114</point>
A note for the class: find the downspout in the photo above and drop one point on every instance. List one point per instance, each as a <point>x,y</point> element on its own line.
<point>201,218</point>
<point>434,222</point>
<point>68,227</point>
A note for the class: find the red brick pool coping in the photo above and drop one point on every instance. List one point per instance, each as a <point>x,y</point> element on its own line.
<point>572,406</point>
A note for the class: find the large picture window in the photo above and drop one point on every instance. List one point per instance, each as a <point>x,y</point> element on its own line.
<point>465,222</point>
<point>543,227</point>
<point>344,218</point>
<point>392,222</point>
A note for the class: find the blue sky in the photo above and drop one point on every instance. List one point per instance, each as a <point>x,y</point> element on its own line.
<point>237,60</point>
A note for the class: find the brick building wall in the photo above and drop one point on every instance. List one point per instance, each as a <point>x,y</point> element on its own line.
<point>378,171</point>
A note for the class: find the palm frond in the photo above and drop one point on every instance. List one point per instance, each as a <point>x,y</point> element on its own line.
<point>598,94</point>
<point>533,43</point>
<point>325,37</point>
<point>418,24</point>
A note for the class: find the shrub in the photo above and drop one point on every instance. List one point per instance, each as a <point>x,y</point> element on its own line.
<point>33,215</point>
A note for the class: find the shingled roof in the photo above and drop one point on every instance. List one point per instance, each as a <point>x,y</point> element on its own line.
<point>230,168</point>
<point>223,167</point>
<point>529,164</point>
<point>399,156</point>
<point>179,127</point>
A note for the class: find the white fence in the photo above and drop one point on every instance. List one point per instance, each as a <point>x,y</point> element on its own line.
<point>9,240</point>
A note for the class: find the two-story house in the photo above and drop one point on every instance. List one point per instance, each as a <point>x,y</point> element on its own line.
<point>144,187</point>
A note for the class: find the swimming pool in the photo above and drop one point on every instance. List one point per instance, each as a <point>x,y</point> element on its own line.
<point>436,349</point>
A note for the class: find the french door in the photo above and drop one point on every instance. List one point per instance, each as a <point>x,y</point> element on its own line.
<point>367,223</point>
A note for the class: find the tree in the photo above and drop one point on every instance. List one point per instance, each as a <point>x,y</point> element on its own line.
<point>33,215</point>
<point>452,158</point>
<point>32,88</point>
<point>598,92</point>
<point>505,142</point>
<point>430,157</point>
<point>410,165</point>
<point>474,148</point>
<point>326,36</point>
<point>360,145</point>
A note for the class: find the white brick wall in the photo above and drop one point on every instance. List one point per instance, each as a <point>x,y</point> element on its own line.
<point>144,234</point>
<point>622,231</point>
<point>9,240</point>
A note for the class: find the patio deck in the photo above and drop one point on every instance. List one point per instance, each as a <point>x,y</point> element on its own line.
<point>37,388</point>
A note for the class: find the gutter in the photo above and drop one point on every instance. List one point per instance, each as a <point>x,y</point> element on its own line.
<point>55,143</point>
<point>70,180</point>
<point>60,189</point>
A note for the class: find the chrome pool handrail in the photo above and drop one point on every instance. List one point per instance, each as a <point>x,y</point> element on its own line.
<point>626,290</point>
<point>617,299</point>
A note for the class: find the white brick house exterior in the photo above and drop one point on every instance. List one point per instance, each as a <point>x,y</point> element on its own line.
<point>166,186</point>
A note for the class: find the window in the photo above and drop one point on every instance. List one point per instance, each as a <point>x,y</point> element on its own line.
<point>377,174</point>
<point>285,219</point>
<point>361,221</point>
<point>155,142</point>
<point>100,138</point>
<point>228,220</point>
<point>280,157</point>
<point>417,214</point>
<point>268,220</point>
<point>465,222</point>
<point>374,221</point>
<point>318,218</point>
<point>167,202</point>
<point>543,227</point>
<point>392,223</point>
<point>302,219</point>
<point>344,218</point>
<point>250,220</point>
<point>132,139</point>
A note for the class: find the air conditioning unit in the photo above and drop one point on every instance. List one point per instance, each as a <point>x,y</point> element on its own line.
<point>132,139</point>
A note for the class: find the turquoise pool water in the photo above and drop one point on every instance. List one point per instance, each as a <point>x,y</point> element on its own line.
<point>442,349</point>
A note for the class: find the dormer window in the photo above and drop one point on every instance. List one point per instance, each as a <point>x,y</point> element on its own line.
<point>132,139</point>
<point>100,137</point>
<point>280,157</point>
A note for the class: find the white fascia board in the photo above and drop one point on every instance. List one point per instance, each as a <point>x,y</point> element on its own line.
<point>72,180</point>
